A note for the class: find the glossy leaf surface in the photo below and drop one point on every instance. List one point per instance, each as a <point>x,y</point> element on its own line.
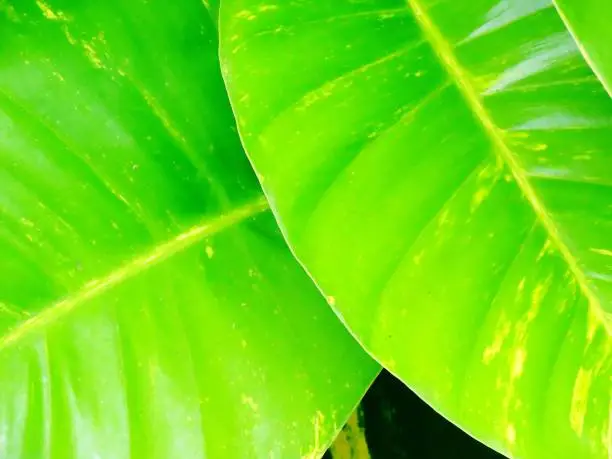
<point>589,21</point>
<point>150,307</point>
<point>441,168</point>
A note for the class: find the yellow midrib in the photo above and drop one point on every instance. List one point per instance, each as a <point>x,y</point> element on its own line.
<point>445,53</point>
<point>133,267</point>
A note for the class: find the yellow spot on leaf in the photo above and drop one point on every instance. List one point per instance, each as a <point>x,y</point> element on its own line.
<point>592,325</point>
<point>443,218</point>
<point>245,14</point>
<point>248,401</point>
<point>580,399</point>
<point>518,363</point>
<point>264,8</point>
<point>538,293</point>
<point>91,54</point>
<point>545,249</point>
<point>511,434</point>
<point>69,35</point>
<point>49,13</point>
<point>493,349</point>
<point>606,252</point>
<point>479,198</point>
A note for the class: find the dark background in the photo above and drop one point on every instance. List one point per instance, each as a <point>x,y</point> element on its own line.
<point>399,425</point>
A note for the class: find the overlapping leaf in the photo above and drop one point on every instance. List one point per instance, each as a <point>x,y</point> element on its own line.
<point>441,168</point>
<point>589,21</point>
<point>150,308</point>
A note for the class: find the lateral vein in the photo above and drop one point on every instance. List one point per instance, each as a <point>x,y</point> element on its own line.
<point>132,268</point>
<point>444,51</point>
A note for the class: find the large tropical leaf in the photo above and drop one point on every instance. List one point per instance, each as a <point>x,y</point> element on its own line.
<point>589,21</point>
<point>150,308</point>
<point>441,168</point>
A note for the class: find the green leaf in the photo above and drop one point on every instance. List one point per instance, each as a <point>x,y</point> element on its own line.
<point>150,307</point>
<point>441,168</point>
<point>589,22</point>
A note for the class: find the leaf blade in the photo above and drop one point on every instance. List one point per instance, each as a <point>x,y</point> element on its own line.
<point>587,23</point>
<point>147,287</point>
<point>396,197</point>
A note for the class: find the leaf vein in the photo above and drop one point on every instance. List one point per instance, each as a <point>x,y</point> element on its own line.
<point>133,267</point>
<point>449,61</point>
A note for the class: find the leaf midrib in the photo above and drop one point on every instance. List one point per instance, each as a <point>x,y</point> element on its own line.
<point>449,61</point>
<point>133,267</point>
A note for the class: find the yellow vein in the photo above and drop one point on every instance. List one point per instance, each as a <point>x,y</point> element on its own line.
<point>133,267</point>
<point>13,311</point>
<point>445,53</point>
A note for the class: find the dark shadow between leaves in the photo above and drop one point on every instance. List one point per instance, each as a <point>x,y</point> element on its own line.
<point>399,425</point>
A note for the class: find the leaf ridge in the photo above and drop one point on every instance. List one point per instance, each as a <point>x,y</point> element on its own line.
<point>449,61</point>
<point>134,266</point>
<point>587,56</point>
